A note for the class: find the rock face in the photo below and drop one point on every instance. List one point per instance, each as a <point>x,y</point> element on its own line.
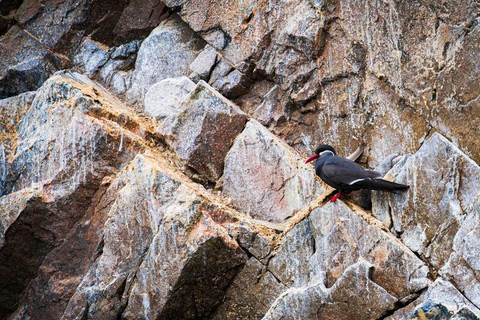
<point>162,175</point>
<point>38,38</point>
<point>202,130</point>
<point>265,178</point>
<point>327,58</point>
<point>448,187</point>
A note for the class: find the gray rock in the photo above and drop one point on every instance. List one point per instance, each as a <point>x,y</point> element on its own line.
<point>250,294</point>
<point>13,204</point>
<point>166,97</point>
<point>24,70</point>
<point>96,238</point>
<point>203,130</point>
<point>332,239</point>
<point>41,38</point>
<point>55,141</point>
<point>443,183</point>
<point>126,50</point>
<point>216,38</point>
<point>168,250</point>
<point>91,56</point>
<point>166,53</point>
<point>233,85</point>
<point>202,65</point>
<point>346,299</point>
<point>291,263</point>
<point>112,67</point>
<point>265,178</point>
<point>262,103</point>
<point>11,110</point>
<point>87,232</point>
<point>462,267</point>
<point>440,292</point>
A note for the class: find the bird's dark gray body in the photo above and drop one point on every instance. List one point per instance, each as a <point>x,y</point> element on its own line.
<point>339,172</point>
<point>346,175</point>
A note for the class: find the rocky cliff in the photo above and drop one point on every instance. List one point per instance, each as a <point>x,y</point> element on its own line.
<point>152,159</point>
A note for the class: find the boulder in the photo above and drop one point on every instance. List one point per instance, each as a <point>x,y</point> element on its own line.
<point>24,70</point>
<point>462,266</point>
<point>265,178</point>
<point>91,56</point>
<point>443,184</point>
<point>12,110</point>
<point>166,97</point>
<point>203,64</point>
<point>203,129</point>
<point>332,239</point>
<point>166,53</point>
<point>440,301</point>
<point>344,300</point>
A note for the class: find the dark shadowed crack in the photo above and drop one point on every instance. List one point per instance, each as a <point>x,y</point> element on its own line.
<point>127,285</point>
<point>215,64</point>
<point>38,230</point>
<point>312,232</point>
<point>400,305</point>
<point>204,279</point>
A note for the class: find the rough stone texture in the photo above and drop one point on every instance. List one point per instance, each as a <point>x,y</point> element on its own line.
<point>333,238</point>
<point>65,163</point>
<point>155,197</point>
<point>416,53</point>
<point>462,266</point>
<point>166,53</point>
<point>164,257</point>
<point>38,38</point>
<point>202,66</point>
<point>165,97</point>
<point>112,22</point>
<point>82,223</point>
<point>91,56</point>
<point>138,18</point>
<point>265,178</point>
<point>11,111</point>
<point>25,64</point>
<point>440,292</point>
<point>253,290</point>
<point>64,137</point>
<point>116,71</point>
<point>341,301</point>
<point>443,184</point>
<point>202,130</point>
<point>132,68</point>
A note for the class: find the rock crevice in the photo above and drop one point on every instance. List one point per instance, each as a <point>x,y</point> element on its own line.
<point>162,175</point>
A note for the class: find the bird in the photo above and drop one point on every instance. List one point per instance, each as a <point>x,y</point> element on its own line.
<point>345,175</point>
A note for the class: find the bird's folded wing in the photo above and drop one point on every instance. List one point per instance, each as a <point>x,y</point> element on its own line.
<point>345,172</point>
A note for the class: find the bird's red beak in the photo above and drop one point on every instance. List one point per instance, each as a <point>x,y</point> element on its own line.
<point>315,156</point>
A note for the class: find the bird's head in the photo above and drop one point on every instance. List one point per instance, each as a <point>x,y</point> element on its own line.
<point>320,151</point>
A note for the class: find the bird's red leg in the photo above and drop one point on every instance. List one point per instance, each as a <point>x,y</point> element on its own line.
<point>335,197</point>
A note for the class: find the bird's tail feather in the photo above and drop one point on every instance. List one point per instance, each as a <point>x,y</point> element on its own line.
<point>382,185</point>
